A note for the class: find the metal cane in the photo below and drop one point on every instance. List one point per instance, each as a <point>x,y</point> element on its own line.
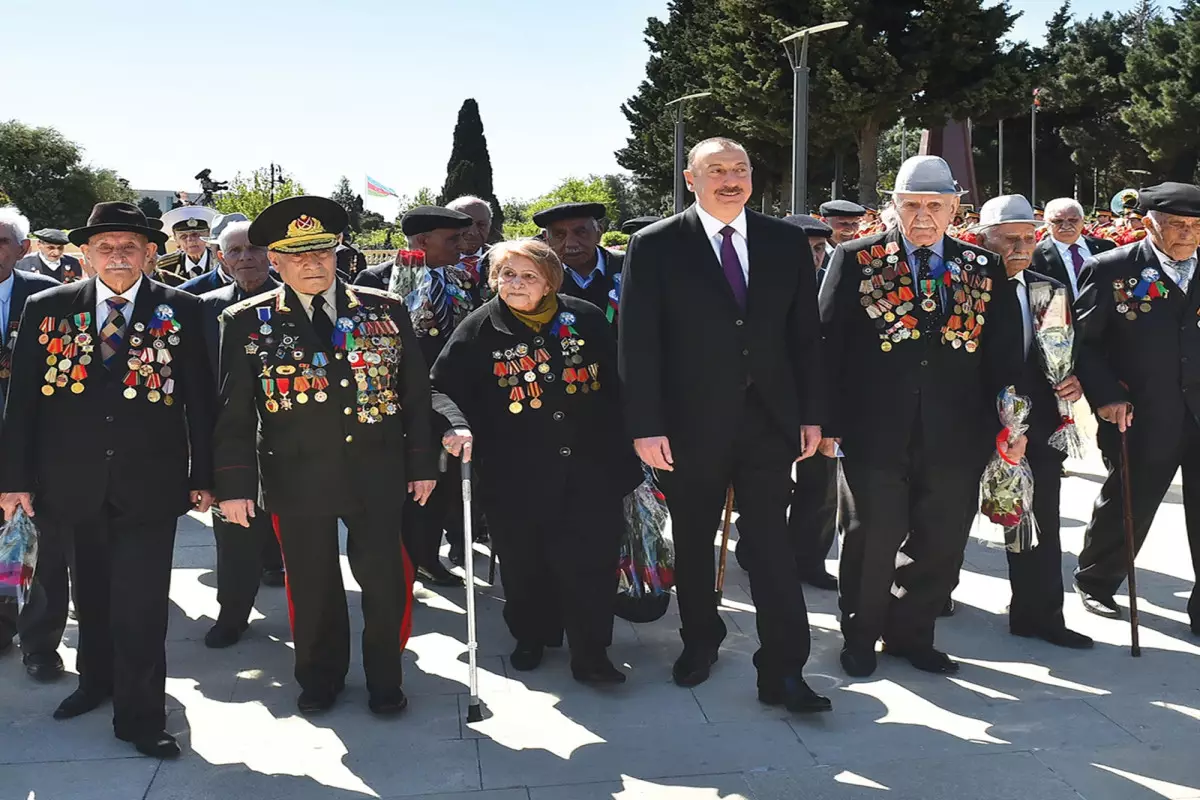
<point>1127,501</point>
<point>724,544</point>
<point>474,711</point>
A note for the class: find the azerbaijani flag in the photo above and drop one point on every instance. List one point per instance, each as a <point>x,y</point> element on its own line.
<point>377,189</point>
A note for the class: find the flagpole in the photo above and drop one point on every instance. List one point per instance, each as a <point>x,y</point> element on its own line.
<point>1033,149</point>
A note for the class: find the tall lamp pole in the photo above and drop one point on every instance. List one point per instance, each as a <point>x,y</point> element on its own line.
<point>680,188</point>
<point>796,47</point>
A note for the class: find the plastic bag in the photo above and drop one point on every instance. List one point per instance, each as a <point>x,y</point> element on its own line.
<point>1006,488</point>
<point>18,556</point>
<point>1055,337</point>
<point>646,571</point>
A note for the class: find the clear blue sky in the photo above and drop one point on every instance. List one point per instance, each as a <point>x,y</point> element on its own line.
<point>341,88</point>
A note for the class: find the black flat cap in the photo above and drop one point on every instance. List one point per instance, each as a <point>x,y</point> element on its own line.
<point>424,219</point>
<point>51,236</point>
<point>632,226</point>
<point>840,208</point>
<point>569,211</point>
<point>299,225</point>
<point>810,225</point>
<point>1180,199</point>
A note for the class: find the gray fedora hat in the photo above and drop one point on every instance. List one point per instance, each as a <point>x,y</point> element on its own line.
<point>221,222</point>
<point>1004,209</point>
<point>925,175</point>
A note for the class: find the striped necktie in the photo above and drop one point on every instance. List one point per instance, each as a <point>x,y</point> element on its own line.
<point>439,302</point>
<point>112,335</point>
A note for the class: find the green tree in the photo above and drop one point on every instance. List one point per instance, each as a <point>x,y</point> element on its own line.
<point>250,193</point>
<point>592,189</point>
<point>469,170</point>
<point>150,207</point>
<point>344,196</point>
<point>423,197</point>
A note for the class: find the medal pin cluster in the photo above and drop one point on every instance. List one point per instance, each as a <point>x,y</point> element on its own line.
<point>150,357</point>
<point>1139,294</point>
<point>69,349</point>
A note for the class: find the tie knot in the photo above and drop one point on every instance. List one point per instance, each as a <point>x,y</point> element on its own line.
<point>728,231</point>
<point>116,303</point>
<point>318,302</point>
<point>1074,248</point>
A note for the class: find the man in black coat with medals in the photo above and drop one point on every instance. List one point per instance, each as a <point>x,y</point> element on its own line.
<point>126,402</point>
<point>1063,252</point>
<point>50,260</point>
<point>1008,227</point>
<point>331,379</point>
<point>720,354</point>
<point>922,332</point>
<point>1140,319</point>
<point>592,272</point>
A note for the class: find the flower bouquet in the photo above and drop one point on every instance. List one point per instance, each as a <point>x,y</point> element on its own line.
<point>1055,337</point>
<point>1007,485</point>
<point>407,273</point>
<point>18,556</point>
<point>646,571</point>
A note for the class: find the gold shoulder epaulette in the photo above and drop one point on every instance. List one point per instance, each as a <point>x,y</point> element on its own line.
<point>373,292</point>
<point>251,302</point>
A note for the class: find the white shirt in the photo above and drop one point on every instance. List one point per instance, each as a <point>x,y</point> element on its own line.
<point>6,290</point>
<point>195,269</point>
<point>102,295</point>
<point>330,296</point>
<point>713,228</point>
<point>1026,313</point>
<point>1168,265</point>
<point>585,281</point>
<point>1064,252</point>
<point>54,265</point>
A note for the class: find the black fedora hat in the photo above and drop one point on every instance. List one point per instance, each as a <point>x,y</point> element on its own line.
<point>116,216</point>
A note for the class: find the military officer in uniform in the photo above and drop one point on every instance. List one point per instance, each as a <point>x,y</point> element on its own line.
<point>592,272</point>
<point>107,437</point>
<point>922,332</point>
<point>190,227</point>
<point>50,260</point>
<point>219,276</point>
<point>1140,321</point>
<point>331,379</point>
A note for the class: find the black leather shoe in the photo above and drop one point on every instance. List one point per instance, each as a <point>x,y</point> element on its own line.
<point>596,669</point>
<point>949,609</point>
<point>526,656</point>
<point>858,662</point>
<point>1060,635</point>
<point>436,574</point>
<point>273,577</point>
<point>224,635</point>
<point>821,580</point>
<point>389,704</point>
<point>155,745</point>
<point>928,660</point>
<point>79,702</point>
<point>1102,605</point>
<point>693,666</point>
<point>312,701</point>
<point>795,695</point>
<point>43,667</point>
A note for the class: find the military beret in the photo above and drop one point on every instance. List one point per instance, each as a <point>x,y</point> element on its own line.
<point>569,211</point>
<point>632,226</point>
<point>840,208</point>
<point>1180,199</point>
<point>51,236</point>
<point>299,225</point>
<point>810,225</point>
<point>424,219</point>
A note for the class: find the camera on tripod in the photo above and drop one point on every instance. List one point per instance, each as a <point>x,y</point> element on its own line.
<point>209,186</point>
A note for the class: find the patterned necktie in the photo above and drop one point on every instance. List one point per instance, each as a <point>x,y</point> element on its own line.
<point>437,302</point>
<point>112,335</point>
<point>322,324</point>
<point>1076,259</point>
<point>471,265</point>
<point>733,267</point>
<point>1185,269</point>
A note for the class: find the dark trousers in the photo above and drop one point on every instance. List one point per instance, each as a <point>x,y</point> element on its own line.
<point>122,584</point>
<point>560,575</point>
<point>812,522</point>
<point>1102,562</point>
<point>757,460</point>
<point>43,618</point>
<point>317,598</point>
<point>1036,575</point>
<point>929,500</point>
<point>242,555</point>
<point>423,525</point>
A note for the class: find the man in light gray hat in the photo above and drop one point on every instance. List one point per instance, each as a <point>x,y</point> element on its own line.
<point>1007,226</point>
<point>922,332</point>
<point>217,277</point>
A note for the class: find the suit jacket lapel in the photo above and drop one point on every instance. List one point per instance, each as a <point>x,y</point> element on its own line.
<point>705,258</point>
<point>757,251</point>
<point>1054,260</point>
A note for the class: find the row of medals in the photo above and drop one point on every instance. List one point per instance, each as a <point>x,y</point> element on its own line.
<point>1123,297</point>
<point>74,344</point>
<point>514,365</point>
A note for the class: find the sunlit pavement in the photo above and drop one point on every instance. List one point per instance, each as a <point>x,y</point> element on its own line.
<point>1022,719</point>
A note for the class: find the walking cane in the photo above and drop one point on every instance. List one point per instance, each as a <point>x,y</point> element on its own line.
<point>1135,649</point>
<point>474,712</point>
<point>724,544</point>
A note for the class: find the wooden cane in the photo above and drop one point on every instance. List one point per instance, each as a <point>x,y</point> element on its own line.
<point>724,544</point>
<point>1127,501</point>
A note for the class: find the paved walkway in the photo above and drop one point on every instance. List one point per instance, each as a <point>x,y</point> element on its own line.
<point>1022,719</point>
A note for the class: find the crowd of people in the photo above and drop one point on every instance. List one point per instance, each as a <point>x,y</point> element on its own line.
<point>837,373</point>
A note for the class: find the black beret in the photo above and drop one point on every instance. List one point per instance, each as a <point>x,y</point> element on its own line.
<point>569,211</point>
<point>632,226</point>
<point>841,208</point>
<point>1180,199</point>
<point>810,225</point>
<point>299,225</point>
<point>424,219</point>
<point>51,236</point>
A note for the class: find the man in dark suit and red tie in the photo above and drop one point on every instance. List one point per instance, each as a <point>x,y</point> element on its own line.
<point>720,354</point>
<point>1063,252</point>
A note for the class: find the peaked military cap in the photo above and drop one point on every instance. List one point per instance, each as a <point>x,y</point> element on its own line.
<point>189,218</point>
<point>569,211</point>
<point>299,225</point>
<point>424,219</point>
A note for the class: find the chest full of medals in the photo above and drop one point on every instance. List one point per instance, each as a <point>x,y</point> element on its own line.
<point>559,362</point>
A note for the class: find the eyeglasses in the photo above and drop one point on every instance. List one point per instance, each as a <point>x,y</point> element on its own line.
<point>125,251</point>
<point>529,279</point>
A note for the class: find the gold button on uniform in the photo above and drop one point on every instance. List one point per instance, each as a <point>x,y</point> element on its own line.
<point>349,438</point>
<point>347,411</point>
<point>345,382</point>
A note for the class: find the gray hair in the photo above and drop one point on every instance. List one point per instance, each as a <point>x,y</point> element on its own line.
<point>889,217</point>
<point>467,201</point>
<point>1063,204</point>
<point>15,221</point>
<point>230,229</point>
<point>724,142</point>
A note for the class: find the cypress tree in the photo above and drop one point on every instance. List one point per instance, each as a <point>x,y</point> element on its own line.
<point>469,170</point>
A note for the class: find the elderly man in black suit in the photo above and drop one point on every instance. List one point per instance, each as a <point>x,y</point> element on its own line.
<point>720,354</point>
<point>1140,317</point>
<point>50,260</point>
<point>1064,251</point>
<point>591,272</point>
<point>922,332</point>
<point>118,389</point>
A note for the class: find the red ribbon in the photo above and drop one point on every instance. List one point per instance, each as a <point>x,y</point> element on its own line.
<point>1001,440</point>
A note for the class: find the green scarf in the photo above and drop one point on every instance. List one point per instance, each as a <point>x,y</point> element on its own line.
<point>540,316</point>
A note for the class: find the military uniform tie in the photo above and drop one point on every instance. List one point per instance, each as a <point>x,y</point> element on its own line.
<point>112,335</point>
<point>322,324</point>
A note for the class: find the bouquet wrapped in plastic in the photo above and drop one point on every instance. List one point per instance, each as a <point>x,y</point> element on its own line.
<point>1055,337</point>
<point>18,556</point>
<point>646,571</point>
<point>1006,488</point>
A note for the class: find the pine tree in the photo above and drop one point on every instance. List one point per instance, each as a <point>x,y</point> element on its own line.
<point>469,170</point>
<point>344,196</point>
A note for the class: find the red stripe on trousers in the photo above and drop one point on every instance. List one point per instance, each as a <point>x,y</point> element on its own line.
<point>287,577</point>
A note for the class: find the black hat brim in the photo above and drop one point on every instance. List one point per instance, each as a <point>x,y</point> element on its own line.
<point>80,236</point>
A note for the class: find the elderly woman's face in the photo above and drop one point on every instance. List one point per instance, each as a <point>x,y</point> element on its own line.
<point>521,284</point>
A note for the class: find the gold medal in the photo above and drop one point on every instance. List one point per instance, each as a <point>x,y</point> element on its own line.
<point>885,347</point>
<point>76,388</point>
<point>51,360</point>
<point>535,403</point>
<point>1145,308</point>
<point>44,339</point>
<point>153,396</point>
<point>889,317</point>
<point>301,398</point>
<point>48,389</point>
<point>168,401</point>
<point>916,334</point>
<point>271,405</point>
<point>595,386</point>
<point>129,393</point>
<point>514,408</point>
<point>571,388</point>
<point>1131,315</point>
<point>434,332</point>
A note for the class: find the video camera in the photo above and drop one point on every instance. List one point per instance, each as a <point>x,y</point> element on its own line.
<point>209,186</point>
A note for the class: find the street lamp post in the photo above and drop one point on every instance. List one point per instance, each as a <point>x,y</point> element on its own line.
<point>680,188</point>
<point>797,54</point>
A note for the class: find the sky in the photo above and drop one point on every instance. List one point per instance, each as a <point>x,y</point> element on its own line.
<point>355,87</point>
